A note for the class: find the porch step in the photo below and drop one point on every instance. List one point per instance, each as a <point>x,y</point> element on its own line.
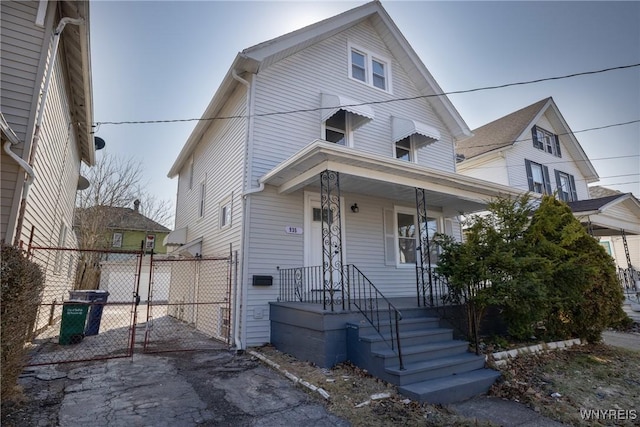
<point>453,388</point>
<point>436,368</point>
<point>409,338</point>
<point>418,353</point>
<point>405,325</point>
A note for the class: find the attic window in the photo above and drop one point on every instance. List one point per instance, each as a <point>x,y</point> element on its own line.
<point>368,68</point>
<point>546,141</point>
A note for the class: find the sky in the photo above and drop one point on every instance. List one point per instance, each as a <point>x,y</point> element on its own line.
<point>164,60</point>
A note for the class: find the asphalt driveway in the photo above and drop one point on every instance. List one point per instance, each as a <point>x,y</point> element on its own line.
<point>173,389</point>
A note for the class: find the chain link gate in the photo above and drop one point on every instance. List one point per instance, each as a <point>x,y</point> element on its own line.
<point>93,300</point>
<point>188,304</point>
<point>87,309</point>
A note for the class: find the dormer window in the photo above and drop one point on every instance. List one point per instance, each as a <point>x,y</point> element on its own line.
<point>546,141</point>
<point>369,68</point>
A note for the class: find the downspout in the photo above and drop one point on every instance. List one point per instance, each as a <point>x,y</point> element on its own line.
<point>239,301</point>
<point>55,42</point>
<point>12,139</point>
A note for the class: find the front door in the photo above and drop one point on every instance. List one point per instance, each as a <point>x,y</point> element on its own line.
<point>313,223</point>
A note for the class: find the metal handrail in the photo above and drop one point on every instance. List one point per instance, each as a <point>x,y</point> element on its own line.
<point>363,294</point>
<point>305,284</point>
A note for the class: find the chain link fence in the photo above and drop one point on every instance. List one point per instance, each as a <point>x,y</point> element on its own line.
<point>107,304</point>
<point>189,304</point>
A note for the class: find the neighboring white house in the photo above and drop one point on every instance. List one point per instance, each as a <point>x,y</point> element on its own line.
<point>534,149</point>
<point>46,116</point>
<point>323,98</point>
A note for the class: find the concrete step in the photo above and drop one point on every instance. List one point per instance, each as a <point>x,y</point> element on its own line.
<point>408,338</point>
<point>435,368</point>
<point>453,388</point>
<point>406,324</point>
<point>419,353</point>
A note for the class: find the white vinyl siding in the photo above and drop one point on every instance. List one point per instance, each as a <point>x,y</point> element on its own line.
<point>218,159</point>
<point>516,155</point>
<point>492,169</point>
<point>617,246</point>
<point>57,163</point>
<point>23,59</point>
<point>296,82</point>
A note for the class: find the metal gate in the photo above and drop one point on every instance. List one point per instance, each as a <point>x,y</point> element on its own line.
<point>101,304</point>
<point>87,309</point>
<point>188,304</point>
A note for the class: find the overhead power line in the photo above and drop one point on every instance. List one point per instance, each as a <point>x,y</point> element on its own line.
<point>306,110</point>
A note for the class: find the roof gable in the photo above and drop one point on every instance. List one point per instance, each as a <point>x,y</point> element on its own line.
<point>255,58</point>
<point>515,127</point>
<point>125,219</point>
<point>500,133</point>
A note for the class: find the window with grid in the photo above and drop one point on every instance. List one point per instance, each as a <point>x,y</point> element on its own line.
<point>368,68</point>
<point>546,141</point>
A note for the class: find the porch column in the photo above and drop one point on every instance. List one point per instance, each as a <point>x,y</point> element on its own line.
<point>423,255</point>
<point>332,261</point>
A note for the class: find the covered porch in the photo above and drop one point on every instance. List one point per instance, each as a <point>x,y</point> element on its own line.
<point>321,300</point>
<point>615,218</point>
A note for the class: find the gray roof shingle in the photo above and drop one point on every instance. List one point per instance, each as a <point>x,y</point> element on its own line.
<point>499,133</point>
<point>124,219</point>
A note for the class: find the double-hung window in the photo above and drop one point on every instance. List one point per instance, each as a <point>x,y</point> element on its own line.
<point>546,141</point>
<point>369,68</point>
<point>336,128</point>
<point>538,177</point>
<point>566,186</point>
<point>405,150</point>
<point>401,241</point>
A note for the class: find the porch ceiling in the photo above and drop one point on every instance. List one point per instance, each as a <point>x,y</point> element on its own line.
<point>379,176</point>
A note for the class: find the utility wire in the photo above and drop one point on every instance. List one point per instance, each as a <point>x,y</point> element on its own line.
<point>276,113</point>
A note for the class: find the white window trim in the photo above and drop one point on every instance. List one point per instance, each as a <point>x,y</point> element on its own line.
<point>62,241</point>
<point>226,202</point>
<point>202,198</point>
<point>412,211</point>
<point>413,151</point>
<point>348,134</point>
<point>408,211</point>
<point>369,57</point>
<point>113,239</point>
<point>190,173</point>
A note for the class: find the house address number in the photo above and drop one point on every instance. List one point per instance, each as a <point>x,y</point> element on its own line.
<point>293,230</point>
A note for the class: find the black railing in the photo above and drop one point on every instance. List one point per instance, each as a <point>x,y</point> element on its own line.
<point>628,277</point>
<point>374,306</point>
<point>305,284</point>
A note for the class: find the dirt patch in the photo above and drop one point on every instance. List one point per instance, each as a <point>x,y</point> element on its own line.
<point>350,395</point>
<point>557,384</point>
<point>569,385</point>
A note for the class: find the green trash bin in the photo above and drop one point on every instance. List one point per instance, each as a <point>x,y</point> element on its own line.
<point>74,317</point>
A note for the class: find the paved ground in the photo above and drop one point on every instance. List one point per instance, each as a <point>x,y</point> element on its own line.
<point>183,389</point>
<point>212,387</point>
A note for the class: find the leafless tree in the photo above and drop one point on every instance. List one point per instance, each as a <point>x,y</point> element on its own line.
<point>114,182</point>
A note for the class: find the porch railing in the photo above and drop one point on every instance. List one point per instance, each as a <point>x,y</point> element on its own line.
<point>628,278</point>
<point>305,284</point>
